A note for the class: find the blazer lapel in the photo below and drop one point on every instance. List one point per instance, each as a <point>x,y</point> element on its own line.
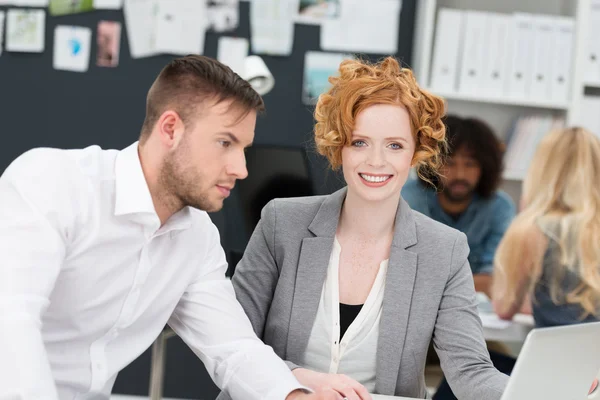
<point>400,280</point>
<point>311,274</point>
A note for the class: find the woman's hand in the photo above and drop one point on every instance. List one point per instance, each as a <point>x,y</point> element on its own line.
<point>347,387</point>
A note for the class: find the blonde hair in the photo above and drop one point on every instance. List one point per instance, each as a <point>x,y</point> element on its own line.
<point>560,189</point>
<point>361,84</point>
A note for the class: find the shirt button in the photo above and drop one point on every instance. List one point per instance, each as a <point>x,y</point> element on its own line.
<point>99,366</point>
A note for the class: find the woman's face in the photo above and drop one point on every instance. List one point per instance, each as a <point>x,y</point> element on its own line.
<point>377,162</point>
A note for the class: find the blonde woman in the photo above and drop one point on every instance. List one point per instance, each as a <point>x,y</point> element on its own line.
<point>351,288</point>
<point>551,252</point>
<point>549,259</point>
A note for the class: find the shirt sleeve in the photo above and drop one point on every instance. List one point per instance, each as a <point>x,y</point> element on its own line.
<point>35,209</point>
<point>503,212</point>
<point>212,322</point>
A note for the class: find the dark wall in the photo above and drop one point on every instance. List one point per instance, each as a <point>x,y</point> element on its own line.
<point>40,106</point>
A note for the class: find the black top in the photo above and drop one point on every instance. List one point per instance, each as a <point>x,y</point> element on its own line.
<point>347,314</point>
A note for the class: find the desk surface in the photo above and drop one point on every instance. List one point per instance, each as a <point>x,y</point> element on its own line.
<point>127,397</point>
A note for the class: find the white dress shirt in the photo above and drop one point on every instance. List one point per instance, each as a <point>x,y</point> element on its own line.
<point>89,279</point>
<point>356,354</point>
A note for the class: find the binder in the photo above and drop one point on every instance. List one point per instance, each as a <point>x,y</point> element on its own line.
<point>592,63</point>
<point>520,66</point>
<point>476,32</point>
<point>540,73</point>
<point>562,59</point>
<point>448,38</point>
<point>497,56</point>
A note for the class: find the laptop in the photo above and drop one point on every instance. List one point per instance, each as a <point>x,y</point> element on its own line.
<point>558,363</point>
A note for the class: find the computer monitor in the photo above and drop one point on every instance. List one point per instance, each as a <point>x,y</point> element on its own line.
<point>273,172</point>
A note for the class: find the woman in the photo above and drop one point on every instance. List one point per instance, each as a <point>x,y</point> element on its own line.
<point>550,252</point>
<point>350,288</point>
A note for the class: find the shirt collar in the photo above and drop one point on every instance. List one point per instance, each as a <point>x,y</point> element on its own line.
<point>132,192</point>
<point>132,195</point>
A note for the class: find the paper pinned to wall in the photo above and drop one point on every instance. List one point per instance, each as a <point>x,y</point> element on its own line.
<point>64,7</point>
<point>1,30</point>
<point>272,26</point>
<point>223,15</point>
<point>140,22</point>
<point>318,67</point>
<point>181,26</point>
<point>365,27</point>
<point>25,30</point>
<point>108,4</point>
<point>27,3</point>
<point>72,48</point>
<point>314,12</point>
<point>108,39</point>
<point>232,51</point>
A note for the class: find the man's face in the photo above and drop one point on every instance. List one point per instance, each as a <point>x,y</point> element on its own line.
<point>461,176</point>
<point>201,171</point>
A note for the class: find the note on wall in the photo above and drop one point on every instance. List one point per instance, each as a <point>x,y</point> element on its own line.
<point>223,15</point>
<point>365,27</point>
<point>108,4</point>
<point>318,67</point>
<point>1,30</point>
<point>272,26</point>
<point>108,40</point>
<point>25,30</point>
<point>232,51</point>
<point>181,26</point>
<point>140,22</point>
<point>64,7</point>
<point>314,12</point>
<point>72,48</point>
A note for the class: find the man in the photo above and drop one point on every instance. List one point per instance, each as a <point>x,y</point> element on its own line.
<point>468,198</point>
<point>102,248</point>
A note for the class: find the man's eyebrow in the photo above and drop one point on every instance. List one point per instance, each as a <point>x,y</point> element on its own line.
<point>231,137</point>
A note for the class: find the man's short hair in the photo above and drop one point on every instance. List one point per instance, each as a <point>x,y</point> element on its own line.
<point>477,138</point>
<point>187,82</point>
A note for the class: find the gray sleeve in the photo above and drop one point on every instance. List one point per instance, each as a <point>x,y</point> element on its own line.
<point>458,335</point>
<point>256,275</point>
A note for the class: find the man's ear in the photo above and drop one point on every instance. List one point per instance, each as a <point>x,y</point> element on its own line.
<point>170,128</point>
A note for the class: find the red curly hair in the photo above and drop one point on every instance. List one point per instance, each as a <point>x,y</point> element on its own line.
<point>361,84</point>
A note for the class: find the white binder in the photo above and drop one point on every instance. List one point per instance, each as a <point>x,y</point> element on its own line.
<point>542,57</point>
<point>473,52</point>
<point>562,59</point>
<point>497,56</point>
<point>448,38</point>
<point>521,63</point>
<point>592,63</point>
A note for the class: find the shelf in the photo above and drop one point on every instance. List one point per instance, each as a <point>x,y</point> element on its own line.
<point>501,100</point>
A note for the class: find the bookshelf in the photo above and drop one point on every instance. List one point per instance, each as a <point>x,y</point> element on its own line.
<point>500,110</point>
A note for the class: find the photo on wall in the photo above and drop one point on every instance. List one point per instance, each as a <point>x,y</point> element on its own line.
<point>64,7</point>
<point>108,39</point>
<point>223,15</point>
<point>314,12</point>
<point>318,67</point>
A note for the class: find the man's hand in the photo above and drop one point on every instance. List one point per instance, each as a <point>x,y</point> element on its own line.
<point>594,386</point>
<point>323,384</point>
<point>328,394</point>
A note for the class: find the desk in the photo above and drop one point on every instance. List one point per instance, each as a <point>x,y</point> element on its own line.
<point>127,397</point>
<point>496,329</point>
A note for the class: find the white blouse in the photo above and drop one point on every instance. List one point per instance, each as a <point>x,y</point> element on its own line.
<point>356,354</point>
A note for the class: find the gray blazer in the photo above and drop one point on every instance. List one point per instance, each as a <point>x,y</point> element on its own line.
<point>429,294</point>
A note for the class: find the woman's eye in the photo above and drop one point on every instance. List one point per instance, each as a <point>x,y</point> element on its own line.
<point>225,143</point>
<point>359,143</point>
<point>395,146</point>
